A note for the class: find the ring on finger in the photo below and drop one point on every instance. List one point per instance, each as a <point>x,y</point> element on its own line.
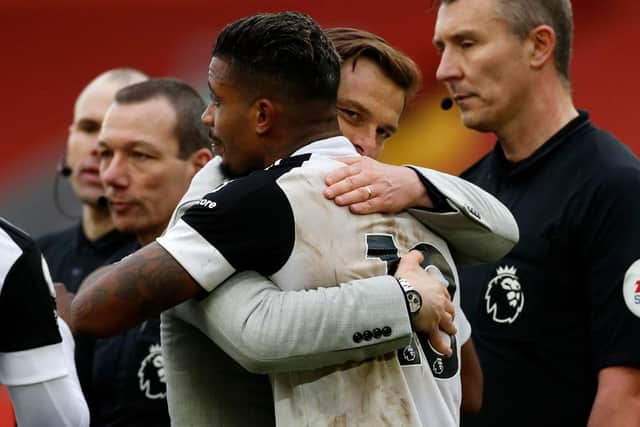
<point>369,191</point>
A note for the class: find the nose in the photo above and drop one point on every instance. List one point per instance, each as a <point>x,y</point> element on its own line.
<point>114,172</point>
<point>365,141</point>
<point>449,67</point>
<point>207,115</point>
<point>94,149</point>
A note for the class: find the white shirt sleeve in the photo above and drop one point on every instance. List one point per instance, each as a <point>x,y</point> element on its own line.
<point>267,330</point>
<point>53,402</point>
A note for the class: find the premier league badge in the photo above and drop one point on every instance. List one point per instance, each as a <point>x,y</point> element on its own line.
<point>504,296</point>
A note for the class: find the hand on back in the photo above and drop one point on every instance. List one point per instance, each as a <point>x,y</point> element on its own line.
<point>369,186</point>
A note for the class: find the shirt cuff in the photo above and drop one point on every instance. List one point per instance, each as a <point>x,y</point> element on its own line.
<point>438,199</point>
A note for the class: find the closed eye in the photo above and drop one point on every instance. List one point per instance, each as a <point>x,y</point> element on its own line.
<point>104,153</point>
<point>139,155</point>
<point>88,126</point>
<point>213,100</point>
<point>467,44</point>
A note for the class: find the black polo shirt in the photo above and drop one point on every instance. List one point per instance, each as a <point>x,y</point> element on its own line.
<point>128,386</point>
<point>72,257</point>
<point>122,376</point>
<point>549,315</point>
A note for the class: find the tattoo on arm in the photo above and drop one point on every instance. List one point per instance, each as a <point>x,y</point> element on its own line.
<point>140,286</point>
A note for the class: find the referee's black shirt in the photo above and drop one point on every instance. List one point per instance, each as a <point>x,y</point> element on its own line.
<point>551,313</point>
<point>72,257</point>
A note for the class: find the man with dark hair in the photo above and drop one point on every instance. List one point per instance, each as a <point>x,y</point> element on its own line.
<point>253,125</point>
<point>555,320</point>
<point>187,106</point>
<point>249,306</point>
<point>151,144</point>
<point>146,164</point>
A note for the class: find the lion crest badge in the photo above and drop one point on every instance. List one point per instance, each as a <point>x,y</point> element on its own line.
<point>504,295</point>
<point>151,376</point>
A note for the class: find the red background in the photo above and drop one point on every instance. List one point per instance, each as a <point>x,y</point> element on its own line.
<point>51,49</point>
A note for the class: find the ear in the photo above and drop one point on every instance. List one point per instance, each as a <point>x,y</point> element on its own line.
<point>266,113</point>
<point>543,43</point>
<point>200,158</point>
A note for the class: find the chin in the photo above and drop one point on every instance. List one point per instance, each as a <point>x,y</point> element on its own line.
<point>230,171</point>
<point>87,198</point>
<point>473,121</point>
<point>123,224</point>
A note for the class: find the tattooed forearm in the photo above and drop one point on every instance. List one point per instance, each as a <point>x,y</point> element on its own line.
<point>140,286</point>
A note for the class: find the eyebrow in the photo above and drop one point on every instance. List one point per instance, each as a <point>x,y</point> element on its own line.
<point>130,145</point>
<point>87,121</point>
<point>458,35</point>
<point>356,104</point>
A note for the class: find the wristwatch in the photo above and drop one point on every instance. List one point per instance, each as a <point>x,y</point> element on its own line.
<point>414,300</point>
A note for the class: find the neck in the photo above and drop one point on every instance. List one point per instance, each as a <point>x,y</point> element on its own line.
<point>148,236</point>
<point>298,133</point>
<point>547,111</point>
<point>96,221</point>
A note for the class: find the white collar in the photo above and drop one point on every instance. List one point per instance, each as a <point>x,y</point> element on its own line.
<point>336,146</point>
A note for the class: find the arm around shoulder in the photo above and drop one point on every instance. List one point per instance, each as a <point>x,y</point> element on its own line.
<point>479,228</point>
<point>140,286</point>
<point>269,330</point>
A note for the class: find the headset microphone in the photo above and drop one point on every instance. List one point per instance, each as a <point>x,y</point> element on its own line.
<point>103,202</point>
<point>63,169</point>
<point>446,103</point>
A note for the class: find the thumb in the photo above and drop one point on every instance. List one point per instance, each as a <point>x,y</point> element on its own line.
<point>413,257</point>
<point>440,342</point>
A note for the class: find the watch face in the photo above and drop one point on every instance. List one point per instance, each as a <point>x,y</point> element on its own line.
<point>414,300</point>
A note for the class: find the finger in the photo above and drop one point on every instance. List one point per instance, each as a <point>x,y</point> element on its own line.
<point>352,189</point>
<point>340,174</point>
<point>350,160</point>
<point>350,197</point>
<point>446,325</point>
<point>410,263</point>
<point>437,274</point>
<point>440,343</point>
<point>450,308</point>
<point>366,207</point>
<point>414,257</point>
<point>357,195</point>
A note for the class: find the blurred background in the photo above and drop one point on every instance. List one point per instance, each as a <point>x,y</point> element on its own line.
<point>52,49</point>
